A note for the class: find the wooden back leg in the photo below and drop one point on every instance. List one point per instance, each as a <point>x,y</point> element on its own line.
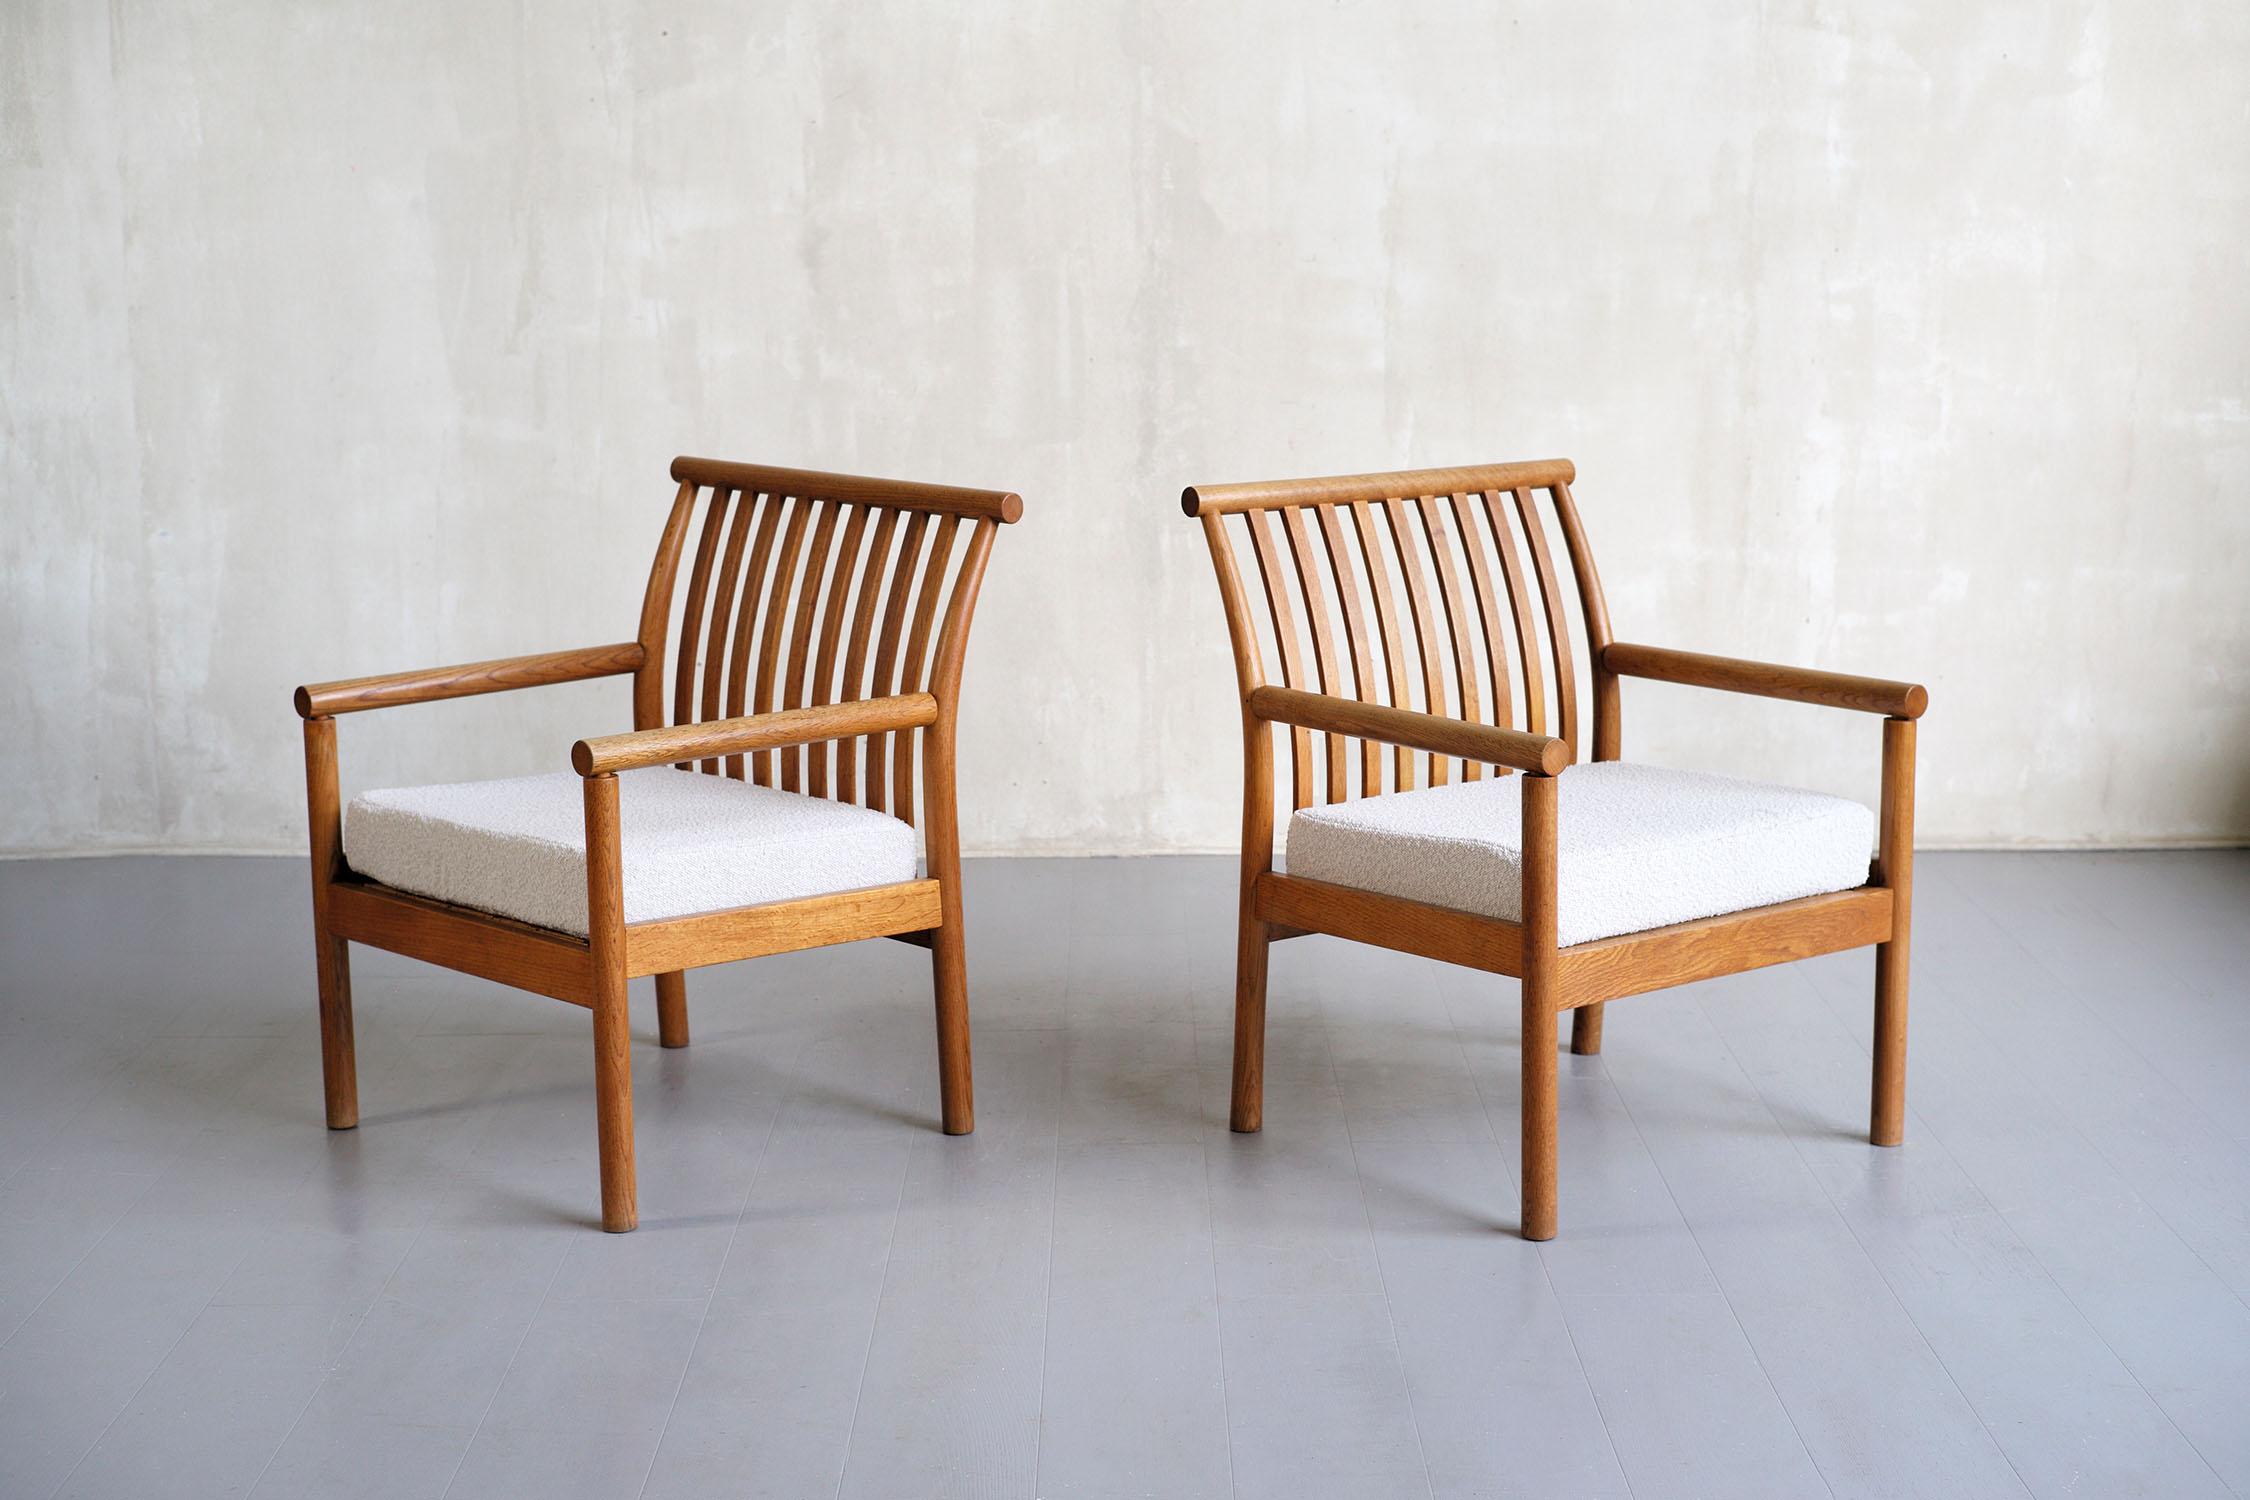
<point>949,953</point>
<point>1586,1030</point>
<point>339,1071</point>
<point>671,1009</point>
<point>1246,1112</point>
<point>957,1109</point>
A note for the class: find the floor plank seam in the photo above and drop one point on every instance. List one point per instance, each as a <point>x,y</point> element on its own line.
<point>1725,1296</point>
<point>2062,1122</point>
<point>1218,1314</point>
<point>501,1384</point>
<point>1546,1271</point>
<point>1382,1279</point>
<point>718,1279</point>
<point>875,1323</point>
<point>1796,1148</point>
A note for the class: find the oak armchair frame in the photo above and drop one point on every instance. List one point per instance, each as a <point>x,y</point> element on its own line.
<point>1425,523</point>
<point>809,715</point>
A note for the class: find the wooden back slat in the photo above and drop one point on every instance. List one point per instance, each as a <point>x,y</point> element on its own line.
<point>1355,637</point>
<point>723,586</point>
<point>793,688</point>
<point>1488,613</point>
<point>1425,622</point>
<point>1456,621</point>
<point>1467,549</point>
<point>691,621</point>
<point>831,634</point>
<point>777,616</point>
<point>945,664</point>
<point>1608,731</point>
<point>855,657</point>
<point>1519,600</point>
<point>656,612</point>
<point>746,619</point>
<point>886,650</point>
<point>1324,638</point>
<point>1285,642</point>
<point>1558,628</point>
<point>917,652</point>
<point>1386,621</point>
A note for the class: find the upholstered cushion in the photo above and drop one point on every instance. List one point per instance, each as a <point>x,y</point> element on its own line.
<point>690,843</point>
<point>1637,846</point>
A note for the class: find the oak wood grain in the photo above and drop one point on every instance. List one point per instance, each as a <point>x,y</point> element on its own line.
<point>537,959</point>
<point>1402,726</point>
<point>1345,489</point>
<point>1894,871</point>
<point>1613,968</point>
<point>1540,1000</point>
<point>613,1035</point>
<point>1440,932</point>
<point>339,1068</point>
<point>433,684</point>
<point>719,937</point>
<point>1874,695</point>
<point>898,494</point>
<point>752,733</point>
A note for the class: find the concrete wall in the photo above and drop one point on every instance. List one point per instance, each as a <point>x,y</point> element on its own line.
<point>1907,339</point>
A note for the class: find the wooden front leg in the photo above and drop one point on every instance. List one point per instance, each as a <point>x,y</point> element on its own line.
<point>1539,1013</point>
<point>613,1036</point>
<point>339,1069</point>
<point>1894,868</point>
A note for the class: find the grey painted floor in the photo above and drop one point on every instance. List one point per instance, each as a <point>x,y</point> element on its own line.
<point>1102,1292</point>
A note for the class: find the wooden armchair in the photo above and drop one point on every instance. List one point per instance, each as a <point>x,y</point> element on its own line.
<point>802,681</point>
<point>1644,877</point>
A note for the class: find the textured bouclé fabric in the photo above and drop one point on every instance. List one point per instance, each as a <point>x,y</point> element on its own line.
<point>691,843</point>
<point>1638,846</point>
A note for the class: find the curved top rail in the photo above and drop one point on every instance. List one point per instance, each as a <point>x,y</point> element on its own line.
<point>1345,489</point>
<point>944,499</point>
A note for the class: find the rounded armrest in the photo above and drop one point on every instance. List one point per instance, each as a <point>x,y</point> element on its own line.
<point>1874,695</point>
<point>1536,753</point>
<point>791,726</point>
<point>321,699</point>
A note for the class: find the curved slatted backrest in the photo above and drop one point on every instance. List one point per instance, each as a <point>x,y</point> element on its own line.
<point>1445,589</point>
<point>783,588</point>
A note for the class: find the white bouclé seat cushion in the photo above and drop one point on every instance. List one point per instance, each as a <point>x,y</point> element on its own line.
<point>1637,846</point>
<point>690,843</point>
